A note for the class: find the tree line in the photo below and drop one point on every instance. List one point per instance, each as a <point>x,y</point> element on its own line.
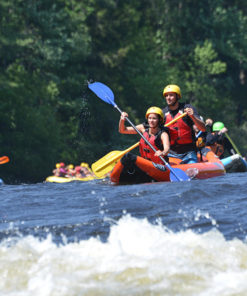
<point>50,50</point>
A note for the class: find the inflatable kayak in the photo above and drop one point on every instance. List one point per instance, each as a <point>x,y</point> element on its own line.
<point>234,164</point>
<point>55,179</point>
<point>132,169</point>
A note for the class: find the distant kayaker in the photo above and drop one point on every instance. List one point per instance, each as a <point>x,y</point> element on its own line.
<point>182,136</point>
<point>85,170</point>
<point>56,171</point>
<point>70,171</point>
<point>154,131</point>
<point>60,170</point>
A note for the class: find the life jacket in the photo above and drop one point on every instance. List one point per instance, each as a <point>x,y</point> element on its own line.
<point>217,148</point>
<point>146,151</point>
<point>180,131</point>
<point>200,142</point>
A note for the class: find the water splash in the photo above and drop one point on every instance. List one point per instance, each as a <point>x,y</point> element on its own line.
<point>138,258</point>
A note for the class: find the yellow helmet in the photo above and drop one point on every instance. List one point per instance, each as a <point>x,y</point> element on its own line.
<point>155,110</point>
<point>172,88</point>
<point>57,165</point>
<point>70,166</point>
<point>84,164</point>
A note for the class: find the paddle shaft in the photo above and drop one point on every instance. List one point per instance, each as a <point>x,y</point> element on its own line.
<point>233,145</point>
<point>148,143</point>
<point>198,135</point>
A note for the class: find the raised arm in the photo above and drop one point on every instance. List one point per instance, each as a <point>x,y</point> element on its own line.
<point>197,121</point>
<point>129,129</point>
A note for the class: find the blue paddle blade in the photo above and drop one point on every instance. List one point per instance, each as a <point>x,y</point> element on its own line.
<point>178,175</point>
<point>103,92</point>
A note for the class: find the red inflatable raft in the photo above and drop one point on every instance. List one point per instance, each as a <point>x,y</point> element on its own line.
<point>132,169</point>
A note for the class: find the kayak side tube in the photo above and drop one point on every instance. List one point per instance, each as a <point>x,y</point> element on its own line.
<point>132,169</point>
<point>211,167</point>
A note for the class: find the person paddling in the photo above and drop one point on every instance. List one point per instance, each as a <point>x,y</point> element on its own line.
<point>154,131</point>
<point>182,137</point>
<point>218,142</point>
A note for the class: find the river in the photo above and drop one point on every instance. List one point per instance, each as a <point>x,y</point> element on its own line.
<point>95,238</point>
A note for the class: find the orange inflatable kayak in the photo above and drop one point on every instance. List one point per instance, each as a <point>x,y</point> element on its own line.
<point>132,169</point>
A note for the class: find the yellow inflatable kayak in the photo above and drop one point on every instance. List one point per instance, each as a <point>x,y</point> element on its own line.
<point>55,179</point>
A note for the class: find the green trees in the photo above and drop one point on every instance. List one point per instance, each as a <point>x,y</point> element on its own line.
<point>43,44</point>
<point>50,49</point>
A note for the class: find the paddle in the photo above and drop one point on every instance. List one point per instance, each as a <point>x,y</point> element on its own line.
<point>198,135</point>
<point>105,93</point>
<point>4,159</point>
<point>105,164</point>
<point>233,145</point>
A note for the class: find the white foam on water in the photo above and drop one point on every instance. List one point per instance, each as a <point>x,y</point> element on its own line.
<point>139,258</point>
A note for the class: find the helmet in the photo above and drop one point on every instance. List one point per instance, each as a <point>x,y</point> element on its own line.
<point>62,164</point>
<point>172,88</point>
<point>217,126</point>
<point>155,110</point>
<point>57,165</point>
<point>70,166</point>
<point>84,164</point>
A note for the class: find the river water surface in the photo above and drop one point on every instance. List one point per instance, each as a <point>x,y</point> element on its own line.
<point>94,238</point>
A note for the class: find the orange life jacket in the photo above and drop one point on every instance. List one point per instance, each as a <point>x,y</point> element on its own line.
<point>200,143</point>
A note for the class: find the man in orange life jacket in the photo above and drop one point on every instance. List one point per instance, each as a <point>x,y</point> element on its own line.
<point>182,137</point>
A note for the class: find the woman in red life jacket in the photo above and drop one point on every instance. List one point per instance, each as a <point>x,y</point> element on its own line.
<point>153,131</point>
<point>182,137</point>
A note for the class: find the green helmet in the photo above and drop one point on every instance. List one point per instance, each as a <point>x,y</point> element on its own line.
<point>217,126</point>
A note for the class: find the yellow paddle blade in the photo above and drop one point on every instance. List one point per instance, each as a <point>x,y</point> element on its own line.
<point>105,164</point>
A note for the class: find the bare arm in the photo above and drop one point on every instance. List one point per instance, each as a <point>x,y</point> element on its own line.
<point>209,122</point>
<point>198,122</point>
<point>166,145</point>
<point>129,129</point>
<point>223,130</point>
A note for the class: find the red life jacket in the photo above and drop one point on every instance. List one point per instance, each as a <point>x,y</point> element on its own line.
<point>180,132</point>
<point>147,152</point>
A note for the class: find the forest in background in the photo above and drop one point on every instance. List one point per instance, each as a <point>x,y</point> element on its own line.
<point>49,50</point>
